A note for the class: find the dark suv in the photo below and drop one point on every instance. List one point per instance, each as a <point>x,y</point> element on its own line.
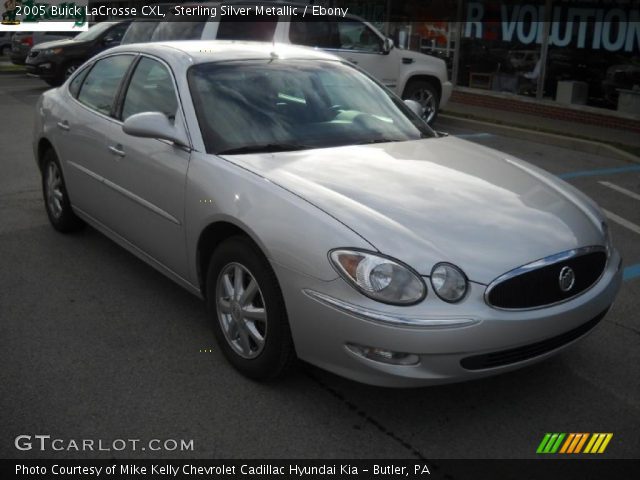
<point>55,61</point>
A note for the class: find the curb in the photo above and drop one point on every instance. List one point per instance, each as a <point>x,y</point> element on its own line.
<point>572,143</point>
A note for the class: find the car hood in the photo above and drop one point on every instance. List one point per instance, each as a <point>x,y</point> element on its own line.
<point>440,199</point>
<point>64,43</point>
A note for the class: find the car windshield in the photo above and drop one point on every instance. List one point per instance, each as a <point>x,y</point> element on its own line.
<point>95,31</point>
<point>279,105</point>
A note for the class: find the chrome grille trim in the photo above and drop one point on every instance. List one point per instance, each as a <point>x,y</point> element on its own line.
<point>545,262</point>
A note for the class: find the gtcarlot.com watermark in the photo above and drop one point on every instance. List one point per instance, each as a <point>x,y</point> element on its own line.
<point>46,443</point>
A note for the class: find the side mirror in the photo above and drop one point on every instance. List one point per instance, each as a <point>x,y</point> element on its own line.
<point>387,46</point>
<point>415,107</point>
<point>154,125</point>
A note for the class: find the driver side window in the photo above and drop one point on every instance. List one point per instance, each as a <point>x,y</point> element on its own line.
<point>356,35</point>
<point>150,90</point>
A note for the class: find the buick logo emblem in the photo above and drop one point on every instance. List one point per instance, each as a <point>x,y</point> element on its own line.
<point>566,279</point>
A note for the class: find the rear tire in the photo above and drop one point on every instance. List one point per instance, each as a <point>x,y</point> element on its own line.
<point>426,94</point>
<point>56,199</point>
<point>249,315</point>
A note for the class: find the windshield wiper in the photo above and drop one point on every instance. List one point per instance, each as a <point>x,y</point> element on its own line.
<point>264,148</point>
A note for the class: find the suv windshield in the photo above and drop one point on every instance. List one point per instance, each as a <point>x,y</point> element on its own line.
<point>95,31</point>
<point>139,31</point>
<point>279,105</point>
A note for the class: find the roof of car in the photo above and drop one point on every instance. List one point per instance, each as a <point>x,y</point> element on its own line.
<point>201,51</point>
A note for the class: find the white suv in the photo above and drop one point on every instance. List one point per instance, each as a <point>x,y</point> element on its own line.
<point>411,75</point>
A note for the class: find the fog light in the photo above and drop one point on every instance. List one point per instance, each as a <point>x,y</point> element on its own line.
<point>383,356</point>
<point>45,66</point>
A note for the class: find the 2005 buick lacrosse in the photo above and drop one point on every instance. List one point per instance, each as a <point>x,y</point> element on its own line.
<point>319,216</point>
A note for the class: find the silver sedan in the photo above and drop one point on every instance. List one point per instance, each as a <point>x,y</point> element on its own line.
<point>319,217</point>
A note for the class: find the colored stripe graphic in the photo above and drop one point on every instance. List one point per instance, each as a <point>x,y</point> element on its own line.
<point>573,443</point>
<point>607,439</point>
<point>550,443</point>
<point>598,442</point>
<point>581,443</point>
<point>567,443</point>
<point>543,443</point>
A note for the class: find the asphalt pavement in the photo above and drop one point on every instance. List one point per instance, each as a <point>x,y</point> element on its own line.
<point>95,344</point>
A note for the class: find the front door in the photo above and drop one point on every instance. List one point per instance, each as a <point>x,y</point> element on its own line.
<point>150,174</point>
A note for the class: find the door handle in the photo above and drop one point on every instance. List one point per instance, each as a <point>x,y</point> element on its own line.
<point>117,150</point>
<point>63,125</point>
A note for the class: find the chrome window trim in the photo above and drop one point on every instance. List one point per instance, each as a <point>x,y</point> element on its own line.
<point>544,262</point>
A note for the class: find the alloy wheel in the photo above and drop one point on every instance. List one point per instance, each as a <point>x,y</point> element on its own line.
<point>241,310</point>
<point>54,192</point>
<point>427,99</point>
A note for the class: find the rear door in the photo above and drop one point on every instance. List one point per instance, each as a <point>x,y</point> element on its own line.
<point>79,133</point>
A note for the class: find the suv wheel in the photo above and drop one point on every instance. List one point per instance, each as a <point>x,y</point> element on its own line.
<point>426,94</point>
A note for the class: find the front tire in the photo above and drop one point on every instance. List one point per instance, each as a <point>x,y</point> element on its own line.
<point>426,94</point>
<point>248,310</point>
<point>56,198</point>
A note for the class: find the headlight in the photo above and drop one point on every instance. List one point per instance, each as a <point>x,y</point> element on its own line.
<point>52,51</point>
<point>449,282</point>
<point>380,278</point>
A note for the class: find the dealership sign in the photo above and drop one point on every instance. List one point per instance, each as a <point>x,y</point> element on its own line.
<point>611,28</point>
<point>50,15</point>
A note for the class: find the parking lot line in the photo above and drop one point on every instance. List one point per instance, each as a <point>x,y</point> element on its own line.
<point>632,271</point>
<point>620,189</point>
<point>622,221</point>
<point>600,171</point>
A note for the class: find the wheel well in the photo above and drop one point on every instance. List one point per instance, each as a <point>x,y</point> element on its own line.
<point>44,146</point>
<point>427,78</point>
<point>209,240</point>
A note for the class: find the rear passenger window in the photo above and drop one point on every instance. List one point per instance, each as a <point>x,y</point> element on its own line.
<point>101,84</point>
<point>315,32</point>
<point>172,30</point>
<point>150,90</point>
<point>246,27</point>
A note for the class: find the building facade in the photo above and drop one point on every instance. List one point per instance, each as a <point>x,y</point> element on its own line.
<point>578,54</point>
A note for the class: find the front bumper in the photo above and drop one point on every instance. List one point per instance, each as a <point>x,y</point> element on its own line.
<point>447,89</point>
<point>42,69</point>
<point>322,330</point>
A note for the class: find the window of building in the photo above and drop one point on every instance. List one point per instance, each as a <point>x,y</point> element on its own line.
<point>246,27</point>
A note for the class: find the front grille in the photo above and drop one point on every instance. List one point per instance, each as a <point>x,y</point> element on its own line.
<point>541,286</point>
<point>519,354</point>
